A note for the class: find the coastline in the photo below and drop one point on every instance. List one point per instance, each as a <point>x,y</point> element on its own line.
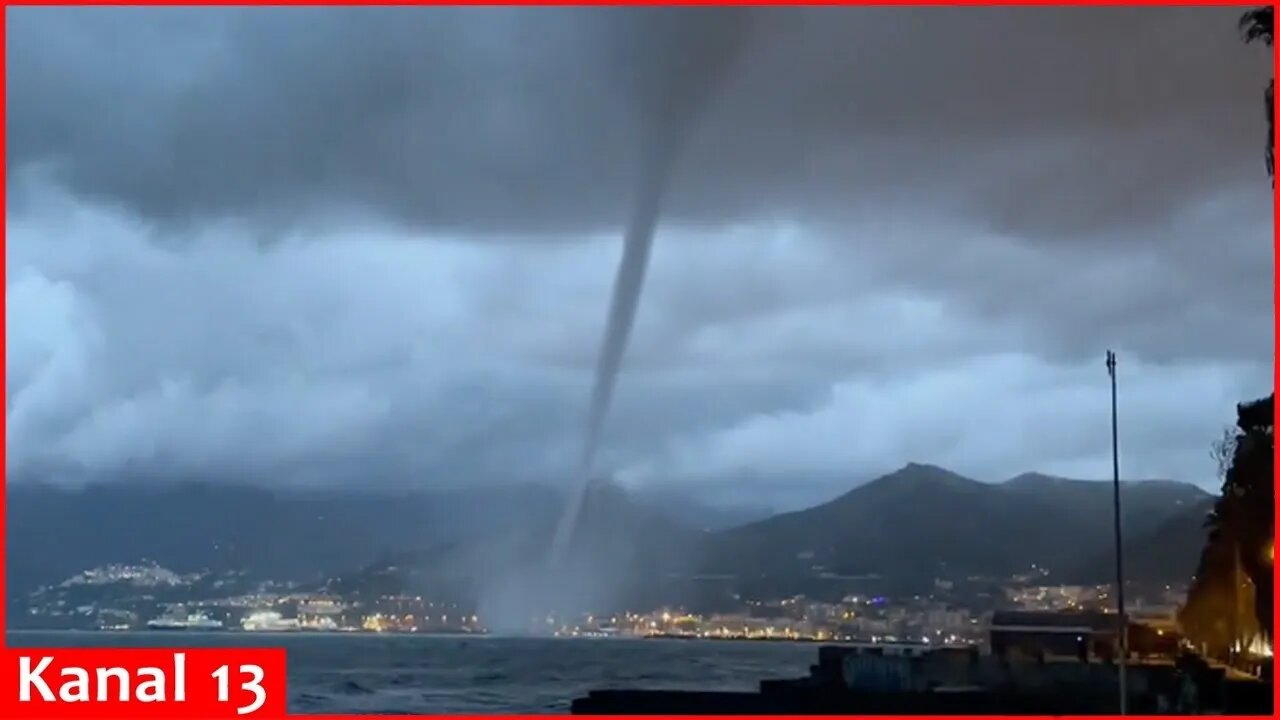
<point>737,638</point>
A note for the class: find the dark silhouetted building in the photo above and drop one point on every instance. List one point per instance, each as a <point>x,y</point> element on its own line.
<point>1086,636</point>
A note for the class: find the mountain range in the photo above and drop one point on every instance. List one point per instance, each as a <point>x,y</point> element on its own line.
<point>918,523</point>
<point>923,522</point>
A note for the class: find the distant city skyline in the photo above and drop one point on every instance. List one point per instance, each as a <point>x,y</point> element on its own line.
<point>384,254</point>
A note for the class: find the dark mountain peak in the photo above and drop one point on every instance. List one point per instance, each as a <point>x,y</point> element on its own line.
<point>917,474</point>
<point>1045,482</point>
<point>913,465</point>
<point>1032,479</point>
<point>913,480</point>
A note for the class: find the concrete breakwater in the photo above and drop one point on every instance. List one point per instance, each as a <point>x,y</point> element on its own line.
<point>957,681</point>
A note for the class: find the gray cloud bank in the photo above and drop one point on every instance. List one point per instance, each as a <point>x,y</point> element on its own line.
<point>367,245</point>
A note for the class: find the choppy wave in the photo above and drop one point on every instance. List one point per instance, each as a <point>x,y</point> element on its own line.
<point>416,674</point>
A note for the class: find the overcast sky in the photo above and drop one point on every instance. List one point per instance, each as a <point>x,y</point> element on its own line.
<point>376,245</point>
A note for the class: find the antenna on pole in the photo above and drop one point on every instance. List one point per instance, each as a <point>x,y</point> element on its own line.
<point>1121,620</point>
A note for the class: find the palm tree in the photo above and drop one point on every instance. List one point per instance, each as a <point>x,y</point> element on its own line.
<point>1249,486</point>
<point>1242,524</point>
<point>1249,494</point>
<point>1258,25</point>
<point>1241,528</point>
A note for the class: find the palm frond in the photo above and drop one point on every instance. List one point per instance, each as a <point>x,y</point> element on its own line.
<point>1271,129</point>
<point>1258,25</point>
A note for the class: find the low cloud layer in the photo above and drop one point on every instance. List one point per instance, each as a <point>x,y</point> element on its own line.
<point>379,251</point>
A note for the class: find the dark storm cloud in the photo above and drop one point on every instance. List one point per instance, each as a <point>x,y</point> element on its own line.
<point>493,118</point>
<point>1035,121</point>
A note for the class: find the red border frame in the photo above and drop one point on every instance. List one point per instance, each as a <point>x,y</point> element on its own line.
<point>3,148</point>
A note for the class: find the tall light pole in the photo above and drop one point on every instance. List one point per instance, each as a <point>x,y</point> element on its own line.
<point>1121,621</point>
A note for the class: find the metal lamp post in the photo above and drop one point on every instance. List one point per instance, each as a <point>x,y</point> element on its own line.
<point>1121,620</point>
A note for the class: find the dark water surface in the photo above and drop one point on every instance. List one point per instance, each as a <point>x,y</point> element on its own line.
<point>366,673</point>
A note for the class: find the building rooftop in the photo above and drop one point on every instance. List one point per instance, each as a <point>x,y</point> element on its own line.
<point>1031,621</point>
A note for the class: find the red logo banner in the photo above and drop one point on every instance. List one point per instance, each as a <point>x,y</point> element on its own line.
<point>136,683</point>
